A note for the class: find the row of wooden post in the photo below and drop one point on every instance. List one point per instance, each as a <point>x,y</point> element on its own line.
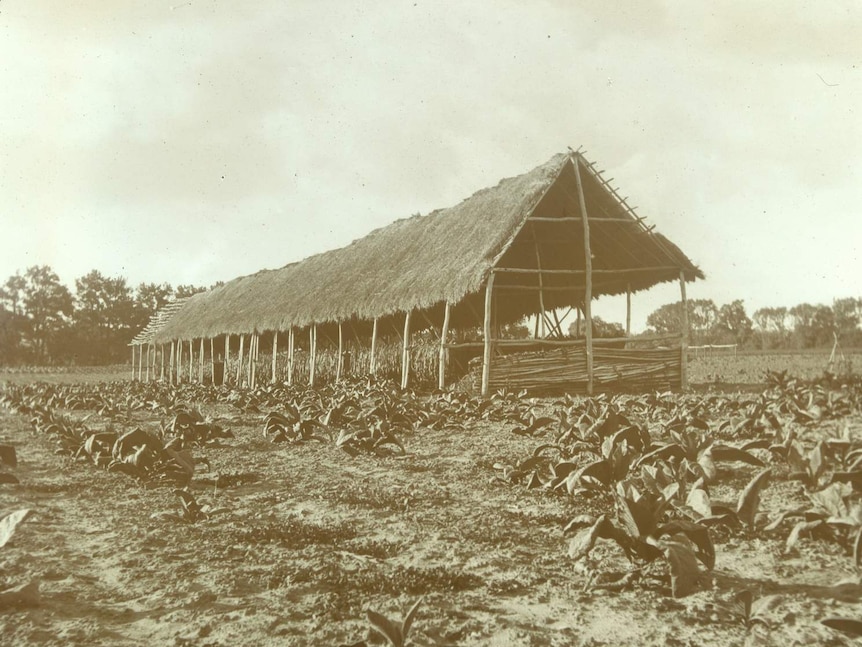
<point>246,364</point>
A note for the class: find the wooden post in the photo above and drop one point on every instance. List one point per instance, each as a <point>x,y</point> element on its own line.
<point>225,378</point>
<point>683,368</point>
<point>252,360</point>
<point>588,267</point>
<point>444,333</point>
<point>290,356</point>
<point>239,361</point>
<point>486,328</point>
<point>171,365</point>
<point>372,366</point>
<point>339,360</point>
<point>541,285</point>
<point>274,355</point>
<point>628,309</point>
<point>162,361</point>
<point>147,362</point>
<point>212,360</point>
<point>201,365</point>
<point>405,354</point>
<point>133,362</point>
<point>312,353</point>
<point>578,322</point>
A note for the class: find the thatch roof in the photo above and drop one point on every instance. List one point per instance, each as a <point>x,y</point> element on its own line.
<point>423,261</point>
<point>158,321</point>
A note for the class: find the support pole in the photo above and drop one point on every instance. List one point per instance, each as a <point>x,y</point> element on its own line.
<point>212,360</point>
<point>133,362</point>
<point>171,364</point>
<point>541,283</point>
<point>372,367</point>
<point>162,362</point>
<point>274,355</point>
<point>683,367</point>
<point>290,356</point>
<point>148,362</point>
<point>191,361</point>
<point>224,376</point>
<point>486,327</point>
<point>444,333</point>
<point>312,353</point>
<point>588,267</point>
<point>252,360</point>
<point>628,309</point>
<point>239,360</point>
<point>339,361</point>
<point>201,365</point>
<point>405,353</point>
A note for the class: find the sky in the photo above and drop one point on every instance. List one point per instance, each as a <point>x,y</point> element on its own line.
<point>194,142</point>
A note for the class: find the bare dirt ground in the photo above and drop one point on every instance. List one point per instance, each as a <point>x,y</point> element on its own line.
<point>311,537</point>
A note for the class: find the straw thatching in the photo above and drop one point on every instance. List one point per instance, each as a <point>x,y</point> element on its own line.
<point>421,262</point>
<point>158,321</point>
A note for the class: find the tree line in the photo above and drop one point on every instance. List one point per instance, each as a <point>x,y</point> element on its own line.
<point>43,322</point>
<point>802,326</point>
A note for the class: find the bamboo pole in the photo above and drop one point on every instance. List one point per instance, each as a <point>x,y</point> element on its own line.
<point>339,367</point>
<point>405,353</point>
<point>312,353</point>
<point>171,365</point>
<point>162,362</point>
<point>274,356</point>
<point>290,356</point>
<point>239,360</point>
<point>148,362</point>
<point>372,368</point>
<point>628,309</point>
<point>191,360</point>
<point>140,362</point>
<point>133,362</point>
<point>588,267</point>
<point>212,360</point>
<point>444,333</point>
<point>683,344</point>
<point>541,282</point>
<point>486,327</point>
<point>225,378</point>
<point>252,360</point>
<point>201,365</point>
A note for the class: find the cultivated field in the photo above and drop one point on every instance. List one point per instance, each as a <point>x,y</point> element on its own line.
<point>281,516</point>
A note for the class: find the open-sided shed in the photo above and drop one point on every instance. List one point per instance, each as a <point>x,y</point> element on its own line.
<point>555,237</point>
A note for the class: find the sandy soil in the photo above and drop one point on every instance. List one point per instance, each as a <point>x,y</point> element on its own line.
<point>311,537</point>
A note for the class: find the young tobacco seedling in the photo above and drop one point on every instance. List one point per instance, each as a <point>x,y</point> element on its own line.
<point>395,632</point>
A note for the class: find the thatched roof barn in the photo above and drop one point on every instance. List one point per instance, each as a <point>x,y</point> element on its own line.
<point>522,244</point>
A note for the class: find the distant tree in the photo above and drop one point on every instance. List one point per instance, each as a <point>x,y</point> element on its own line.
<point>43,306</point>
<point>600,328</point>
<point>848,317</point>
<point>702,317</point>
<point>10,336</point>
<point>105,318</point>
<point>733,325</point>
<point>772,326</point>
<point>517,330</point>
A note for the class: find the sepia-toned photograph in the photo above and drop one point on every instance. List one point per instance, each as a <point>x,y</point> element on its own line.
<point>408,323</point>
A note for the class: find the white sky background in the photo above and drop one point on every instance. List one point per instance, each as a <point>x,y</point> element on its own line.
<point>190,142</point>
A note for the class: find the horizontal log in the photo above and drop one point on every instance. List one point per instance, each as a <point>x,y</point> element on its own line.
<point>616,272</point>
<point>578,219</point>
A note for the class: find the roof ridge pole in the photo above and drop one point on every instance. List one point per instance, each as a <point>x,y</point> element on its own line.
<point>444,333</point>
<point>312,353</point>
<point>274,355</point>
<point>405,355</point>
<point>338,361</point>
<point>290,356</point>
<point>372,364</point>
<point>683,343</point>
<point>212,360</point>
<point>239,361</point>
<point>486,327</point>
<point>588,266</point>
<point>225,377</point>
